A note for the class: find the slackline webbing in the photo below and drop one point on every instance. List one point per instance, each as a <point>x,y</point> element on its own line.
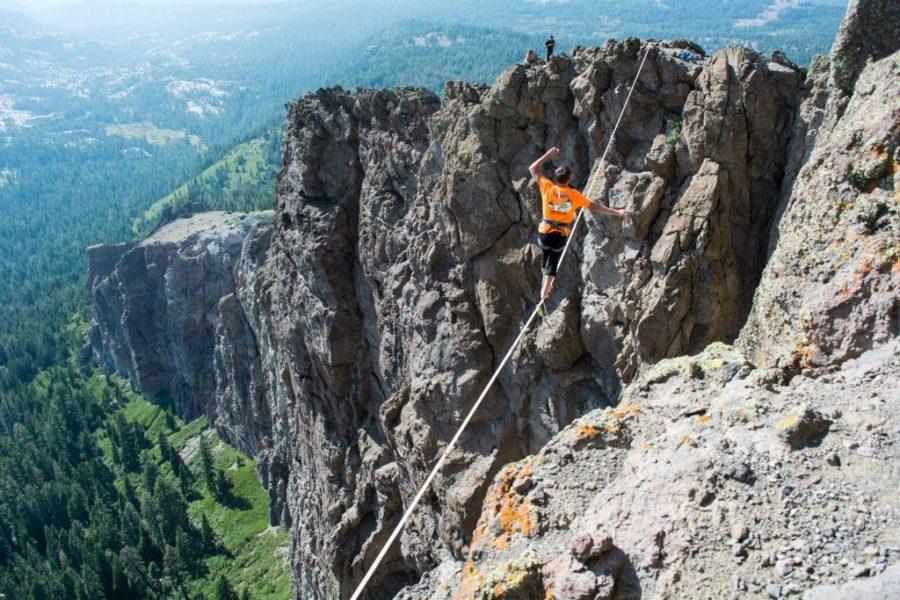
<point>596,174</point>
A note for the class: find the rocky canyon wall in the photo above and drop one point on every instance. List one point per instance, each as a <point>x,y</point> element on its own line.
<point>403,266</point>
<point>741,470</point>
<point>342,342</point>
<point>156,306</point>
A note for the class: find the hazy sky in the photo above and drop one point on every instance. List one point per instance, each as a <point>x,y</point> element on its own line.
<point>40,4</point>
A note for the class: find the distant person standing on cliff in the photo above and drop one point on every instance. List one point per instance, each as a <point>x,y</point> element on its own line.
<point>559,203</point>
<point>550,45</point>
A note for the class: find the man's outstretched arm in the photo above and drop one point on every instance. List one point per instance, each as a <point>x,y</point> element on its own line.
<point>535,168</point>
<point>600,209</point>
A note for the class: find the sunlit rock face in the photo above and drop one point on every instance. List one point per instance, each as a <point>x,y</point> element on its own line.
<point>156,305</point>
<point>403,264</point>
<point>710,476</point>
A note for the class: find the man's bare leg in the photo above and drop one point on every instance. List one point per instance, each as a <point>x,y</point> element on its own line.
<point>547,286</point>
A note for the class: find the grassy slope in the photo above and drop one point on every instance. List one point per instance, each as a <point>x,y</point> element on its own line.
<point>247,171</point>
<point>256,553</point>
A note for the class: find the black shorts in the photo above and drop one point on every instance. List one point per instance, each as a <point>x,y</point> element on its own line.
<point>552,244</point>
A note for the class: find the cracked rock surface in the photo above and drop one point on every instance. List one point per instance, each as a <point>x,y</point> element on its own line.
<point>156,305</point>
<point>688,489</point>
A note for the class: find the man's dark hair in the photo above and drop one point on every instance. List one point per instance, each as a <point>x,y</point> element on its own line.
<point>561,175</point>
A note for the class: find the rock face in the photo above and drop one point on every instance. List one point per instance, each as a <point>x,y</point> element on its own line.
<point>157,306</point>
<point>710,477</point>
<point>689,488</point>
<point>829,291</point>
<point>869,32</point>
<point>343,346</point>
<point>401,268</point>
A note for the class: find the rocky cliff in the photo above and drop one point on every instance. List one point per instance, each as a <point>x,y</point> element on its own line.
<point>770,468</point>
<point>158,304</point>
<point>343,344</point>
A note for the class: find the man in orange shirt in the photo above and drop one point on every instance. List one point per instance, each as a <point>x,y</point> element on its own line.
<point>559,203</point>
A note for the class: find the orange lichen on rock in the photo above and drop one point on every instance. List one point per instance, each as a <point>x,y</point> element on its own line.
<point>703,418</point>
<point>469,581</point>
<point>615,418</point>
<point>804,355</point>
<point>611,424</point>
<point>512,510</point>
<point>505,512</point>
<point>515,515</point>
<point>583,432</point>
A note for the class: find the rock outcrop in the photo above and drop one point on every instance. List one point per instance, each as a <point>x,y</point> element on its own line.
<point>343,345</point>
<point>714,477</point>
<point>157,305</point>
<point>401,268</point>
<point>829,291</point>
<point>705,482</point>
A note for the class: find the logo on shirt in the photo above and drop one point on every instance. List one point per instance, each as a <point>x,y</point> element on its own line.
<point>560,202</point>
<point>561,206</point>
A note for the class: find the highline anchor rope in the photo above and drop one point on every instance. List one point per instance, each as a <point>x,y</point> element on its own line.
<point>453,441</point>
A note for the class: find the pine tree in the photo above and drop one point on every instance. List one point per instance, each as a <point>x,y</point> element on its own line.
<point>130,526</point>
<point>184,550</point>
<point>206,465</point>
<point>145,548</point>
<point>37,591</point>
<point>172,564</point>
<point>207,535</point>
<point>133,567</point>
<point>224,591</point>
<point>132,441</point>
<point>116,452</point>
<point>150,474</point>
<point>128,491</point>
<point>172,509</point>
<point>165,448</point>
<point>223,485</point>
<point>120,585</point>
<point>153,575</point>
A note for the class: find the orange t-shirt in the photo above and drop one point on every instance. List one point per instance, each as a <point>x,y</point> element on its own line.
<point>558,204</point>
